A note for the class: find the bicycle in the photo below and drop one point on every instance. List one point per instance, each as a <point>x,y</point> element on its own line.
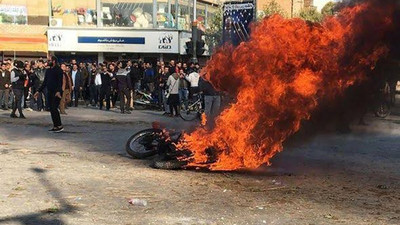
<point>145,100</point>
<point>383,102</point>
<point>194,109</point>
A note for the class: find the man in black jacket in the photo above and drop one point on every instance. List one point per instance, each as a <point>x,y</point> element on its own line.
<point>40,71</point>
<point>5,81</point>
<point>105,89</point>
<point>212,99</point>
<point>76,84</point>
<point>124,87</point>
<point>18,78</point>
<point>53,82</point>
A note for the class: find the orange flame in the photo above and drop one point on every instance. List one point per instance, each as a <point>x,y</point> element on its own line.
<point>279,77</point>
<point>203,119</point>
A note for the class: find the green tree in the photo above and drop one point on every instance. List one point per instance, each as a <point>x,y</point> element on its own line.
<point>213,34</point>
<point>272,8</point>
<point>310,14</point>
<point>329,9</point>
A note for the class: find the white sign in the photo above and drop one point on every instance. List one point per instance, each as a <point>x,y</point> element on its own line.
<point>13,14</point>
<point>113,41</point>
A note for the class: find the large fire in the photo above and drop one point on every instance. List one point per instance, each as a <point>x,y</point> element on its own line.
<point>280,76</point>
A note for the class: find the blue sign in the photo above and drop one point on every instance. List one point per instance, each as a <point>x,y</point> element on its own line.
<point>112,40</point>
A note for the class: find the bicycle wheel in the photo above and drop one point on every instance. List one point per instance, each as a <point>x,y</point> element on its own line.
<point>143,143</point>
<point>191,113</point>
<point>383,110</point>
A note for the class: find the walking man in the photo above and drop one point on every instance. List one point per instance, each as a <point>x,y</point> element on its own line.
<point>53,82</point>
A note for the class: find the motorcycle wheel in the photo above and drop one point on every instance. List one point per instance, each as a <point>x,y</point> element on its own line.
<point>383,110</point>
<point>143,144</point>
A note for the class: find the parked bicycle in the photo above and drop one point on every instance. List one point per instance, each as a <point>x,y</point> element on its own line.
<point>143,100</point>
<point>383,102</point>
<point>194,108</point>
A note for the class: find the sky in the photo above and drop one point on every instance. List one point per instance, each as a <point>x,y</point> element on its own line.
<point>321,3</point>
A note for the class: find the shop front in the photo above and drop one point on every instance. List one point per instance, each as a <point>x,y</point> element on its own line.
<point>92,44</point>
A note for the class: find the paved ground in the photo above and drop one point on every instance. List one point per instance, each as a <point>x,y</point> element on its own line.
<point>83,176</point>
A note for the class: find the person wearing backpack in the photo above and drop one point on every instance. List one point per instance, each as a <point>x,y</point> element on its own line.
<point>18,78</point>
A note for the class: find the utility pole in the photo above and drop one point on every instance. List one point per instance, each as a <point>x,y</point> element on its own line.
<point>194,33</point>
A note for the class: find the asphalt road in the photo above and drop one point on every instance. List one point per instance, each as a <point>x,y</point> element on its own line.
<point>83,176</point>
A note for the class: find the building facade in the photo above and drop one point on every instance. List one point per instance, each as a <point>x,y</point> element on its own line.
<point>101,29</point>
<point>23,26</point>
<point>291,8</point>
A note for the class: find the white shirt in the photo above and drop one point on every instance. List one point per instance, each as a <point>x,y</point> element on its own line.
<point>73,77</point>
<point>193,79</point>
<point>97,80</point>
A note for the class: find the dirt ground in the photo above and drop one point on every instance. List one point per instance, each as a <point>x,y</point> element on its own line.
<point>83,176</point>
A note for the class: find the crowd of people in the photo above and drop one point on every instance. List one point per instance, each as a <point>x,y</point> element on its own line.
<point>23,85</point>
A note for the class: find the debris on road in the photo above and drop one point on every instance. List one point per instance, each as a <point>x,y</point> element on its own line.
<point>382,186</point>
<point>138,202</point>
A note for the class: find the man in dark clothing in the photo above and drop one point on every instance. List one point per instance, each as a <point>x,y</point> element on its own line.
<point>162,87</point>
<point>85,81</point>
<point>53,82</point>
<point>92,86</point>
<point>40,72</point>
<point>135,75</point>
<point>105,90</point>
<point>5,81</point>
<point>18,78</point>
<point>76,78</point>
<point>124,85</point>
<point>149,77</point>
<point>212,99</point>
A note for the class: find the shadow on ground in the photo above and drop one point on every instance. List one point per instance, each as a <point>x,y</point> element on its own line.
<point>49,216</point>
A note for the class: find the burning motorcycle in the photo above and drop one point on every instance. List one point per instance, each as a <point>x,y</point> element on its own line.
<point>160,142</point>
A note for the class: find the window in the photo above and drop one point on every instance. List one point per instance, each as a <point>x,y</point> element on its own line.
<point>212,10</point>
<point>73,13</point>
<point>24,12</point>
<point>166,14</point>
<point>127,13</point>
<point>184,15</point>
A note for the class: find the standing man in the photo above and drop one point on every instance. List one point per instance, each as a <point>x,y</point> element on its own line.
<point>66,88</point>
<point>76,84</point>
<point>40,71</point>
<point>85,81</point>
<point>212,99</point>
<point>124,86</point>
<point>5,81</point>
<point>173,92</point>
<point>18,78</point>
<point>105,90</point>
<point>53,82</point>
<point>183,88</point>
<point>193,79</point>
<point>149,77</point>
